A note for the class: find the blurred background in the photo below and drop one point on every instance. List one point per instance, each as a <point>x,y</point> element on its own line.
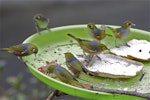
<point>16,24</point>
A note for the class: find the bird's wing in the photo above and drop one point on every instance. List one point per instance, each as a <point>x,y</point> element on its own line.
<point>75,64</point>
<point>64,74</point>
<point>17,48</point>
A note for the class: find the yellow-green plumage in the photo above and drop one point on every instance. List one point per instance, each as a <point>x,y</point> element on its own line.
<point>22,49</point>
<point>61,73</point>
<point>97,33</point>
<point>40,22</point>
<point>123,31</point>
<point>91,47</point>
<point>65,76</point>
<point>75,65</point>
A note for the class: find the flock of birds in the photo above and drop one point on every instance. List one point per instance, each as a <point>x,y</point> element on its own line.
<point>73,64</point>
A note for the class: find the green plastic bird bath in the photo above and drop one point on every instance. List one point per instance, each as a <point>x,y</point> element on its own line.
<point>53,43</point>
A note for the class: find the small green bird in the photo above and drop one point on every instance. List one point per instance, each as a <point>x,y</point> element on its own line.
<point>97,33</point>
<point>91,47</point>
<point>65,76</point>
<point>57,71</point>
<point>41,22</point>
<point>61,73</point>
<point>123,31</point>
<point>75,65</point>
<point>22,49</point>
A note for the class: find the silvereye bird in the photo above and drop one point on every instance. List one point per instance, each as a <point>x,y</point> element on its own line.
<point>97,33</point>
<point>75,65</point>
<point>41,22</point>
<point>91,47</point>
<point>65,76</point>
<point>57,71</point>
<point>22,49</point>
<point>61,73</point>
<point>123,31</point>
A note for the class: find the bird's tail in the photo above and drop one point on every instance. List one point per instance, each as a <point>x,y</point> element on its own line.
<point>4,49</point>
<point>112,29</point>
<point>109,35</point>
<point>85,70</point>
<point>77,39</point>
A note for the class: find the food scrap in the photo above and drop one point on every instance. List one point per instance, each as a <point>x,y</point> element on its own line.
<point>134,49</point>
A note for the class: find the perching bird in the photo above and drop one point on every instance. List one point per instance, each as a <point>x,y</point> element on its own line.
<point>97,33</point>
<point>65,76</point>
<point>56,71</point>
<point>41,22</point>
<point>22,49</point>
<point>61,73</point>
<point>91,47</point>
<point>123,31</point>
<point>75,65</point>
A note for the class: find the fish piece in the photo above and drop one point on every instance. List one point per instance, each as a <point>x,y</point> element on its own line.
<point>113,66</point>
<point>134,49</point>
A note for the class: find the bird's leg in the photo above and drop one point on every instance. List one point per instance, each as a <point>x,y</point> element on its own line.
<point>98,57</point>
<point>37,29</point>
<point>48,29</point>
<point>115,42</point>
<point>124,41</point>
<point>89,63</point>
<point>84,53</point>
<point>143,74</point>
<point>101,59</point>
<point>53,94</point>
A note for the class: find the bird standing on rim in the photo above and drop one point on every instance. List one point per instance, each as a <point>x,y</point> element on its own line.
<point>41,22</point>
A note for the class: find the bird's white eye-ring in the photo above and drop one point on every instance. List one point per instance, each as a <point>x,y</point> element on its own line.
<point>38,17</point>
<point>91,26</point>
<point>128,24</point>
<point>33,50</point>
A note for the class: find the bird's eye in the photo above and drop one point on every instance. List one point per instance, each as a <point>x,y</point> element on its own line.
<point>91,26</point>
<point>33,50</point>
<point>38,17</point>
<point>128,24</point>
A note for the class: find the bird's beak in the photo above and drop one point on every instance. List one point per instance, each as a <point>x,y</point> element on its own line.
<point>133,24</point>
